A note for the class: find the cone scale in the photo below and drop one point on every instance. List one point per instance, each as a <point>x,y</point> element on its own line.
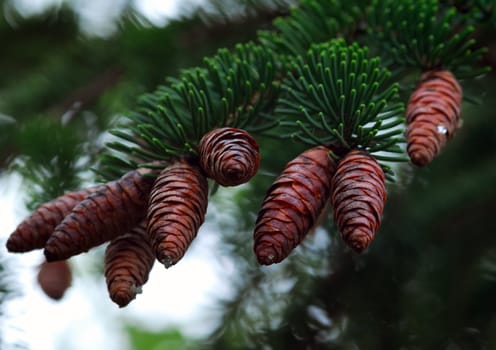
<point>176,209</point>
<point>109,212</point>
<point>128,261</point>
<point>358,198</point>
<point>230,156</point>
<point>433,115</point>
<point>293,204</point>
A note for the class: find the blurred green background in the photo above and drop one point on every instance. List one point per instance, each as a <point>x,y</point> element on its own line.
<point>427,282</point>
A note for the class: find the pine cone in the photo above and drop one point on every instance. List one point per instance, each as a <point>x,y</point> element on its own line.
<point>358,198</point>
<point>293,204</point>
<point>229,156</point>
<point>34,231</point>
<point>114,209</point>
<point>54,278</point>
<point>433,114</point>
<point>128,261</point>
<point>176,210</point>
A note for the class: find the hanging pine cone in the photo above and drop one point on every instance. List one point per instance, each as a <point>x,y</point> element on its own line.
<point>358,198</point>
<point>128,261</point>
<point>54,278</point>
<point>177,206</point>
<point>34,231</point>
<point>229,156</point>
<point>109,212</point>
<point>433,114</point>
<point>293,204</point>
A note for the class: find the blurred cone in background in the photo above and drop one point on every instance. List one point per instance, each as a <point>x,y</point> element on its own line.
<point>54,278</point>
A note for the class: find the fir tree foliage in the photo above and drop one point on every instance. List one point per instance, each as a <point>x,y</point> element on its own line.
<point>313,22</point>
<point>335,95</point>
<point>340,97</point>
<point>50,170</point>
<point>236,89</point>
<point>425,35</point>
<point>239,88</point>
<point>479,11</point>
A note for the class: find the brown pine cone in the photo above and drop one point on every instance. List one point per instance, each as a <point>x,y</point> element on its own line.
<point>358,198</point>
<point>176,209</point>
<point>34,231</point>
<point>54,278</point>
<point>293,204</point>
<point>114,209</point>
<point>433,114</point>
<point>128,261</point>
<point>229,156</point>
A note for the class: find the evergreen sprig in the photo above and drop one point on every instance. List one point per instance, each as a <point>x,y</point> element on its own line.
<point>337,96</point>
<point>477,10</point>
<point>235,88</point>
<point>422,34</point>
<point>52,169</point>
<point>247,84</point>
<point>313,22</point>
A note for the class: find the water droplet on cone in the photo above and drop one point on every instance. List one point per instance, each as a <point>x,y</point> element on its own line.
<point>442,129</point>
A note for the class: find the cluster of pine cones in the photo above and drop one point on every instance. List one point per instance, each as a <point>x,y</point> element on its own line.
<point>147,215</point>
<point>156,217</point>
<point>356,184</point>
<point>144,215</point>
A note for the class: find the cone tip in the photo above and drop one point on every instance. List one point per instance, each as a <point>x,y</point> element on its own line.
<point>167,260</point>
<point>12,245</point>
<point>123,297</point>
<point>267,254</point>
<point>419,159</point>
<point>359,241</point>
<point>49,255</point>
